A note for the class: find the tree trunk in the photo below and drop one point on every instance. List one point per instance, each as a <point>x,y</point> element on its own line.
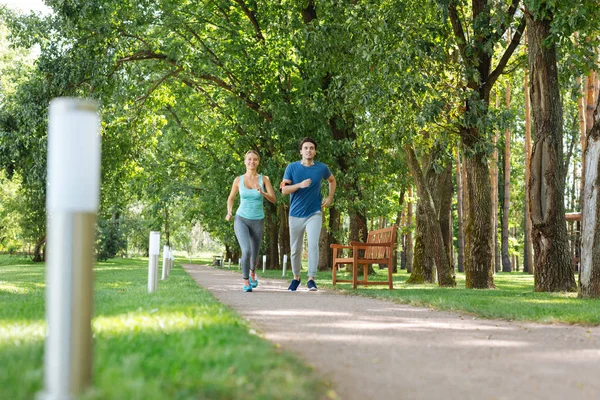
<point>444,196</point>
<point>528,247</point>
<point>167,229</point>
<point>590,105</point>
<point>324,250</point>
<point>272,229</point>
<point>327,237</point>
<point>423,262</point>
<point>460,217</point>
<point>409,235</point>
<point>402,229</point>
<point>399,242</point>
<point>284,233</point>
<point>435,239</point>
<point>546,186</point>
<point>39,252</point>
<point>359,232</point>
<point>506,264</point>
<point>478,246</point>
<point>589,277</point>
<point>494,184</point>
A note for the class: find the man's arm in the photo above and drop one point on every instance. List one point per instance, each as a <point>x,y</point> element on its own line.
<point>287,188</point>
<point>332,185</point>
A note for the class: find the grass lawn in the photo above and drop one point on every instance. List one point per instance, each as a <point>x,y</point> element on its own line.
<point>513,299</point>
<point>178,343</point>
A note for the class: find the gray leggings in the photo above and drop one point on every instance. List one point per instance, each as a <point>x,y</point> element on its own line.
<point>249,233</point>
<point>312,226</point>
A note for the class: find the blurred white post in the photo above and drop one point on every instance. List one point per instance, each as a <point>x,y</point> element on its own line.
<point>153,252</point>
<point>284,264</point>
<point>165,264</point>
<point>239,263</point>
<point>229,264</point>
<point>73,187</point>
<point>264,263</point>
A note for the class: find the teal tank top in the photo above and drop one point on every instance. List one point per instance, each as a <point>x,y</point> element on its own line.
<point>251,201</point>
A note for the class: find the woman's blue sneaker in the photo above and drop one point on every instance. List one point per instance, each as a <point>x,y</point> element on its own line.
<point>253,282</point>
<point>247,288</point>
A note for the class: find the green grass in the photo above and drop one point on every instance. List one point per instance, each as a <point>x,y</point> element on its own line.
<point>513,298</point>
<point>178,343</point>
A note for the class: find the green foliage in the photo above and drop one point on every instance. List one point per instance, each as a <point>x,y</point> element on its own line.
<point>110,238</point>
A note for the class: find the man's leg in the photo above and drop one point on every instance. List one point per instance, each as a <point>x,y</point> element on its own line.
<point>296,239</point>
<point>313,233</point>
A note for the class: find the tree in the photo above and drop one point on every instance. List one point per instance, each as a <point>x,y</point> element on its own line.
<point>546,186</point>
<point>476,47</point>
<point>589,277</point>
<point>434,238</point>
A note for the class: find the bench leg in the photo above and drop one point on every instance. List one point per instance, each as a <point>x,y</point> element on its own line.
<point>334,273</point>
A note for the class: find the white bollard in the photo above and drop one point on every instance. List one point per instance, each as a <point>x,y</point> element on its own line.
<point>229,264</point>
<point>165,264</point>
<point>264,263</point>
<point>153,253</point>
<point>239,263</point>
<point>284,264</point>
<point>73,180</point>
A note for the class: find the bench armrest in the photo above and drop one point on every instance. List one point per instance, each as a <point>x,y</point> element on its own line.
<point>339,246</point>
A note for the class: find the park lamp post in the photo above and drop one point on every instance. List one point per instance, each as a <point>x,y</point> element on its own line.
<point>165,264</point>
<point>73,188</point>
<point>153,252</point>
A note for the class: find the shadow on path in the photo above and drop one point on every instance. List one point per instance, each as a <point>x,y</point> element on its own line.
<point>372,349</point>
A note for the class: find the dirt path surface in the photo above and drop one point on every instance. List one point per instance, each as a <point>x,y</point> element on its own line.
<point>373,349</point>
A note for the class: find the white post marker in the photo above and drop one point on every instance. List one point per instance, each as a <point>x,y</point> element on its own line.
<point>165,264</point>
<point>239,263</point>
<point>264,263</point>
<point>73,187</point>
<point>229,264</point>
<point>284,264</point>
<point>153,252</point>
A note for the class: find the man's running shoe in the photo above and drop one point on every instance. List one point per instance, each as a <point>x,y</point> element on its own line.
<point>294,285</point>
<point>312,286</point>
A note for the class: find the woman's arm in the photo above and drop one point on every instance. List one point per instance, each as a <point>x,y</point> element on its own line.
<point>270,194</point>
<point>234,190</point>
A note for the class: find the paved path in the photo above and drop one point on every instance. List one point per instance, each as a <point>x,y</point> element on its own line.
<point>372,349</point>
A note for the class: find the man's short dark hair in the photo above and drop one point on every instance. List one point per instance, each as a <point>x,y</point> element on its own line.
<point>308,140</point>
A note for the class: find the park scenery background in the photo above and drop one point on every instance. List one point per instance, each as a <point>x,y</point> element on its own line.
<point>471,125</point>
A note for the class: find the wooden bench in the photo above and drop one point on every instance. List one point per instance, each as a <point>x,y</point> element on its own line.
<point>217,261</point>
<point>379,249</point>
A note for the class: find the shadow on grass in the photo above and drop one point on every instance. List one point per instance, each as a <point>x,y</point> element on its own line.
<point>177,343</point>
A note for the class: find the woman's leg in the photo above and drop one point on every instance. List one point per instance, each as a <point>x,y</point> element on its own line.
<point>256,230</point>
<point>243,236</point>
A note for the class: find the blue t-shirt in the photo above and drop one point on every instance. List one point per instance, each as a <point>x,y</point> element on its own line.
<point>251,201</point>
<point>304,202</point>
